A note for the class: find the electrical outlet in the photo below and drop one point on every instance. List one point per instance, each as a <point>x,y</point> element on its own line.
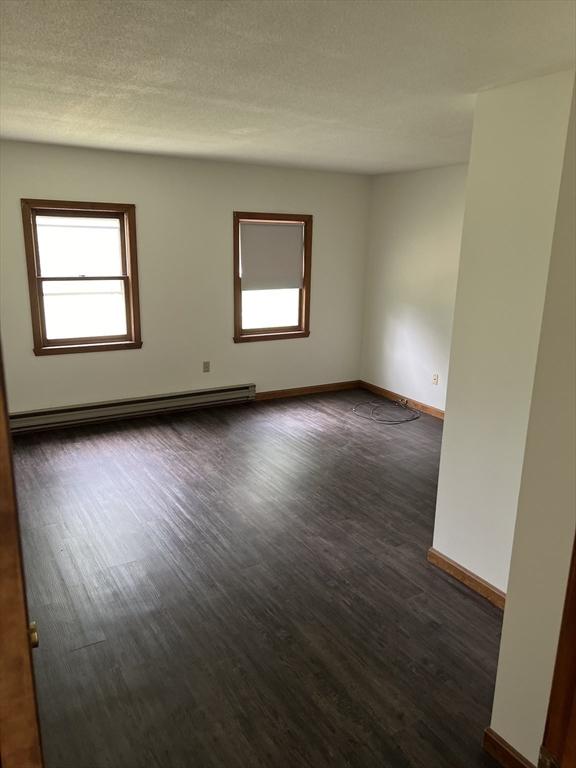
<point>435,378</point>
<point>206,366</point>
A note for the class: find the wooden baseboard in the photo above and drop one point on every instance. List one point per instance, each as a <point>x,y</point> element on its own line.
<point>457,571</point>
<point>341,385</point>
<point>415,404</point>
<point>504,754</point>
<point>314,390</point>
<point>59,417</point>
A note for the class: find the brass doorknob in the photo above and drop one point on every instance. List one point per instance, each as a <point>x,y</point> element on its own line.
<point>33,634</point>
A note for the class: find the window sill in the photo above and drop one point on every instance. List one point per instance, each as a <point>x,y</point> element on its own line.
<point>105,346</point>
<point>271,336</point>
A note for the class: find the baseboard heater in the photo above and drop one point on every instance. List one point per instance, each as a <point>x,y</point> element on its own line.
<point>28,421</point>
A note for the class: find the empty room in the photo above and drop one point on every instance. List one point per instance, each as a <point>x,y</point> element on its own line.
<point>287,384</point>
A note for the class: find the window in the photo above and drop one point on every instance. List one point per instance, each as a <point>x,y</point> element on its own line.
<point>82,276</point>
<point>272,256</point>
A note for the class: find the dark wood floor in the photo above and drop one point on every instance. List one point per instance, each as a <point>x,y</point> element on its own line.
<point>248,587</point>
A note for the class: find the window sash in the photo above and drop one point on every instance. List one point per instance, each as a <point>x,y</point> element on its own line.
<point>81,214</point>
<point>76,340</point>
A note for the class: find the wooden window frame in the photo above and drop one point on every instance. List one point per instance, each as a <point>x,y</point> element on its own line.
<point>126,214</point>
<point>302,330</point>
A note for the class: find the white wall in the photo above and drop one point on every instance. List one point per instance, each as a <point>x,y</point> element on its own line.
<point>414,251</point>
<point>511,196</point>
<point>547,505</point>
<point>184,225</point>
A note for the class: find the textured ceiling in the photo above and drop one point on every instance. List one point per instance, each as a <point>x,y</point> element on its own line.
<point>343,84</point>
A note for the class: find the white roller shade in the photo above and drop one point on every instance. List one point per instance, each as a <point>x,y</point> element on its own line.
<point>271,255</point>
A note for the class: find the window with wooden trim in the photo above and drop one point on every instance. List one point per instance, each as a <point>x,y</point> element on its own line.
<point>272,262</point>
<point>82,276</point>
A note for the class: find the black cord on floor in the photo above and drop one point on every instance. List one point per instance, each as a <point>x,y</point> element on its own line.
<point>370,411</point>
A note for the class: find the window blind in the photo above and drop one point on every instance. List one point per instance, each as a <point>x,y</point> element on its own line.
<point>271,255</point>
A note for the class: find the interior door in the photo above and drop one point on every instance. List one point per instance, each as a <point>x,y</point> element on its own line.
<point>19,730</point>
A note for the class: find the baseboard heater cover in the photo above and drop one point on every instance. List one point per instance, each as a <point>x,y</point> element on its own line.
<point>89,413</point>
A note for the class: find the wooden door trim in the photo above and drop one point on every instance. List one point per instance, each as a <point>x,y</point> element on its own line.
<point>19,728</point>
<point>559,744</point>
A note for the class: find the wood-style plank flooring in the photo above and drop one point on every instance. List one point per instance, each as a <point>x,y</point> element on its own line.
<point>247,587</point>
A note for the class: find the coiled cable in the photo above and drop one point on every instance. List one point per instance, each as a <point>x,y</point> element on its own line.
<point>373,411</point>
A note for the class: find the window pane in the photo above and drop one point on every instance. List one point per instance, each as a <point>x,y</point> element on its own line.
<point>270,309</point>
<point>74,246</point>
<point>75,309</point>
